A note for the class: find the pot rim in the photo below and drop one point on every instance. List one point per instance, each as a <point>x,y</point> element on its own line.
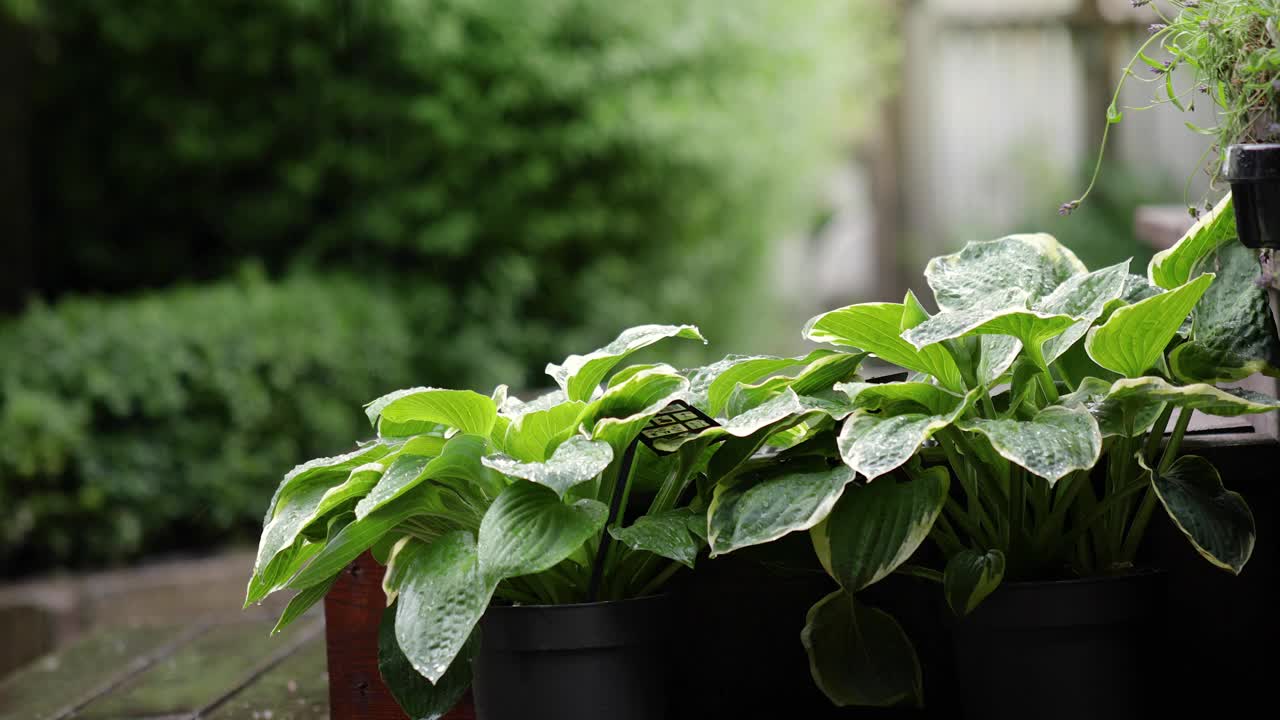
<point>578,626</point>
<point>1133,574</point>
<point>1252,162</point>
<point>662,596</point>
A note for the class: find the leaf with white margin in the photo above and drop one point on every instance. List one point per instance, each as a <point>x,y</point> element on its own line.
<point>1233,334</point>
<point>1208,399</point>
<point>998,353</point>
<point>1135,336</point>
<point>418,697</point>
<point>1114,415</point>
<point>859,655</point>
<point>875,328</point>
<point>874,444</point>
<point>1030,327</point>
<point>817,377</point>
<point>970,577</point>
<point>1057,441</point>
<point>324,469</point>
<point>875,527</point>
<point>1217,521</point>
<point>619,415</point>
<point>576,461</point>
<point>711,386</point>
<point>467,411</point>
<point>786,406</point>
<point>754,508</point>
<point>460,459</point>
<point>442,594</point>
<point>580,375</point>
<point>1084,297</point>
<point>1173,267</point>
<point>672,534</point>
<point>528,529</point>
<point>1035,263</point>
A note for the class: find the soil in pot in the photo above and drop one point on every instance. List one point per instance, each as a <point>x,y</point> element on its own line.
<point>576,662</point>
<point>1068,649</point>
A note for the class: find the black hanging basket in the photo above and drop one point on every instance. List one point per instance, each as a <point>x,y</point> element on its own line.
<point>1254,174</point>
<point>1065,650</point>
<point>589,661</point>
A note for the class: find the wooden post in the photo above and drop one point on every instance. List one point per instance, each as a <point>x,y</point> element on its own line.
<point>352,612</point>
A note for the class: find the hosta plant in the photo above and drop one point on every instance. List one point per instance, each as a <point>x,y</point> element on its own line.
<point>1028,441</point>
<point>470,499</point>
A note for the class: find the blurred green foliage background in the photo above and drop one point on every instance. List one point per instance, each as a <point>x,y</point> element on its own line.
<point>248,217</point>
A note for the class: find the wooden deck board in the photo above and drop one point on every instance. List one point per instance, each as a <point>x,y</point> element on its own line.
<point>296,689</point>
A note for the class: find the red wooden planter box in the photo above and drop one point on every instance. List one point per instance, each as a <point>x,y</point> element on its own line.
<point>352,611</point>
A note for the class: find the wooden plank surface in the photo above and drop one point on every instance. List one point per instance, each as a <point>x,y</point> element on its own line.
<point>56,685</point>
<point>296,689</point>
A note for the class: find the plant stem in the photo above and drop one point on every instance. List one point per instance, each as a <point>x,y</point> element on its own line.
<point>1101,510</point>
<point>1175,442</point>
<point>660,579</point>
<point>1156,436</point>
<point>919,571</point>
<point>1139,527</point>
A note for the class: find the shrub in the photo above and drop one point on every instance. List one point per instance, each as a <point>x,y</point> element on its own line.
<point>536,160</point>
<point>166,420</point>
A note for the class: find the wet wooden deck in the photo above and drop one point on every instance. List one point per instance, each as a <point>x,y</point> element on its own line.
<point>205,670</point>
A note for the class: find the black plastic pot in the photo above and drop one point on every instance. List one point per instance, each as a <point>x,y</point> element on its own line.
<point>1254,174</point>
<point>575,662</point>
<point>1069,649</point>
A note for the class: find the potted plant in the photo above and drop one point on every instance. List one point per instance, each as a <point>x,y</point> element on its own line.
<point>1229,50</point>
<point>1028,445</point>
<point>527,544</point>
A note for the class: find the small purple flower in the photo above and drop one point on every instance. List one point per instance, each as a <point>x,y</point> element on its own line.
<point>1066,208</point>
<point>1139,3</point>
<point>1164,67</point>
<point>1154,28</point>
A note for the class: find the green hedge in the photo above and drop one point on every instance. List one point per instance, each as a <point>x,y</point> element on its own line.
<point>555,166</point>
<point>165,421</point>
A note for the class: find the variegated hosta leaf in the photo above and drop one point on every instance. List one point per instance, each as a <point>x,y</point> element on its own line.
<point>417,696</point>
<point>876,328</point>
<point>1134,337</point>
<point>1216,520</point>
<point>1173,267</point>
<point>618,416</point>
<point>970,577</point>
<point>816,377</point>
<point>786,407</point>
<point>756,508</point>
<point>874,444</point>
<point>881,396</point>
<point>1030,327</point>
<point>1055,442</point>
<point>533,435</point>
<point>998,353</point>
<point>459,460</point>
<point>513,407</point>
<point>711,386</point>
<point>1233,333</point>
<point>672,534</point>
<point>579,375</point>
<point>875,527</point>
<point>576,461</point>
<point>1133,415</point>
<point>296,512</point>
<point>323,470</point>
<point>1229,402</point>
<point>528,529</point>
<point>859,655</point>
<point>1036,264</point>
<point>467,411</point>
<point>442,594</point>
<point>1084,297</point>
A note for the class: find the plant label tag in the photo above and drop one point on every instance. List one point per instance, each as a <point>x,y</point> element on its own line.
<point>677,421</point>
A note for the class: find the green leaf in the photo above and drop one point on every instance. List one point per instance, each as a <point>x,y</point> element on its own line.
<point>1173,267</point>
<point>721,379</point>
<point>1036,264</point>
<point>417,696</point>
<point>1216,521</point>
<point>467,411</point>
<point>1055,442</point>
<point>754,508</point>
<point>814,380</point>
<point>442,595</point>
<point>295,512</point>
<point>1233,334</point>
<point>908,396</point>
<point>1228,402</point>
<point>580,375</point>
<point>998,353</point>
<point>300,603</point>
<point>875,527</point>
<point>1113,114</point>
<point>970,577</point>
<point>576,461</point>
<point>859,655</point>
<point>1134,337</point>
<point>359,482</point>
<point>874,444</point>
<point>360,535</point>
<point>1031,328</point>
<point>532,435</point>
<point>672,534</point>
<point>1131,416</point>
<point>1084,297</point>
<point>276,573</point>
<point>619,415</point>
<point>874,327</point>
<point>528,530</point>
<point>460,459</point>
<point>325,470</point>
